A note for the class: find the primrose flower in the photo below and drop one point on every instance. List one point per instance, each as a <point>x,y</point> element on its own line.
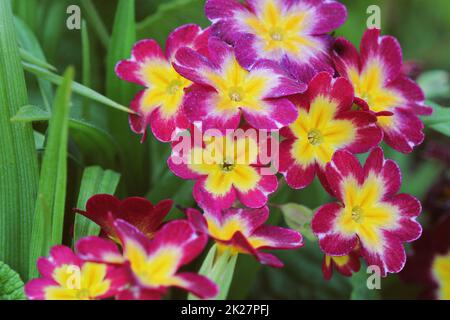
<point>243,231</point>
<point>153,263</point>
<point>66,277</point>
<point>292,33</point>
<point>370,214</point>
<point>225,168</point>
<point>160,103</point>
<point>103,209</point>
<point>224,90</point>
<point>376,75</point>
<point>345,265</point>
<point>326,123</point>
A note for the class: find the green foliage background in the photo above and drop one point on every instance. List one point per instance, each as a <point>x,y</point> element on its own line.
<point>100,148</point>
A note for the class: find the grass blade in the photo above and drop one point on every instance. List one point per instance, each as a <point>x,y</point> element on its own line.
<point>86,59</point>
<point>29,42</point>
<point>95,180</point>
<point>122,40</point>
<point>49,211</point>
<point>97,24</point>
<point>18,160</point>
<point>96,144</point>
<point>76,87</point>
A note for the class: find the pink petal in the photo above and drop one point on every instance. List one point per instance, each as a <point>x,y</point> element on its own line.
<point>199,285</point>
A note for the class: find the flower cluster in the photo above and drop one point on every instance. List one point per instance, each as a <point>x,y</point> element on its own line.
<point>268,66</point>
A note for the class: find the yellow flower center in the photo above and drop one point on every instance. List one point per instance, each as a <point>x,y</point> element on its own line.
<point>276,34</point>
<point>357,214</point>
<point>236,94</point>
<point>315,137</point>
<point>227,167</point>
<point>174,86</point>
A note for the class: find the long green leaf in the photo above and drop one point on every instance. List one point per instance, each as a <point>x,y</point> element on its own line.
<point>95,180</point>
<point>30,44</point>
<point>18,160</point>
<point>86,55</point>
<point>50,206</point>
<point>94,142</point>
<point>76,87</point>
<point>97,24</point>
<point>122,40</point>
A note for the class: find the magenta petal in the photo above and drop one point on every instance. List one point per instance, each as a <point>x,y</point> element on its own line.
<point>342,165</point>
<point>269,259</point>
<point>166,129</point>
<point>139,122</point>
<point>184,36</point>
<point>35,289</point>
<point>258,197</point>
<point>298,177</point>
<point>197,220</point>
<point>199,105</point>
<point>181,234</point>
<point>413,94</point>
<point>345,57</point>
<point>329,16</point>
<point>199,285</point>
<point>218,9</point>
<point>147,49</point>
<point>323,220</point>
<point>280,113</point>
<point>100,250</point>
<point>374,162</point>
<point>208,201</point>
<point>405,133</point>
<point>129,71</point>
<point>392,177</point>
<point>279,238</point>
<point>254,218</point>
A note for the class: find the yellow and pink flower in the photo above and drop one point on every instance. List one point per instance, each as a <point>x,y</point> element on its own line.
<point>224,89</point>
<point>370,213</point>
<point>381,87</point>
<point>152,264</point>
<point>160,103</point>
<point>243,231</point>
<point>326,123</point>
<point>225,168</point>
<point>292,33</point>
<point>67,277</point>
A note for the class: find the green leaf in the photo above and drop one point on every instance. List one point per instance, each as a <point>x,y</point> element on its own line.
<point>94,142</point>
<point>86,57</point>
<point>169,16</point>
<point>218,266</point>
<point>76,87</point>
<point>97,24</point>
<point>18,159</point>
<point>95,181</point>
<point>299,218</point>
<point>134,153</point>
<point>435,84</point>
<point>29,42</point>
<point>50,205</point>
<point>439,120</point>
<point>30,113</point>
<point>11,286</point>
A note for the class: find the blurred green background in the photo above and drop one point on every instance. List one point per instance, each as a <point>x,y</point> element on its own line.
<point>422,27</point>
